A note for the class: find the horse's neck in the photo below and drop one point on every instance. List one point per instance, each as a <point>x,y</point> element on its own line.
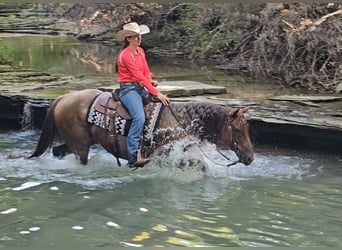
<point>201,117</point>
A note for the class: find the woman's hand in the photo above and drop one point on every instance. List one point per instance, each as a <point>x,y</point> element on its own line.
<point>155,83</point>
<point>164,99</point>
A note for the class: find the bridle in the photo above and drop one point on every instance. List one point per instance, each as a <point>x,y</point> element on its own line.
<point>232,142</point>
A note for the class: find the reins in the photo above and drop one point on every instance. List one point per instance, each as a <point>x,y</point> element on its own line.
<point>216,163</point>
<point>226,157</point>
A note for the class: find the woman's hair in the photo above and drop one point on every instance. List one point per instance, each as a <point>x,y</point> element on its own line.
<point>116,61</point>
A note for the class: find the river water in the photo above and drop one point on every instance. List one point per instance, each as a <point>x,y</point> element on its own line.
<point>281,199</point>
<point>284,198</point>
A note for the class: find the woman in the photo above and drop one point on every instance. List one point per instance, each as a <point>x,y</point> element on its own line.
<point>135,82</point>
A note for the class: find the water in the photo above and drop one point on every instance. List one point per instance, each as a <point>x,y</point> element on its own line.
<point>282,199</point>
<point>54,54</point>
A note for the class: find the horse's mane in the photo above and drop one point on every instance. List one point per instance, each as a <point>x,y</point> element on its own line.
<point>200,118</point>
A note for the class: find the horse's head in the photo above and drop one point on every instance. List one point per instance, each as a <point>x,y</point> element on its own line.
<point>235,134</point>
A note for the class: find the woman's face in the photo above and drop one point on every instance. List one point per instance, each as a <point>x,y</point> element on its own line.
<point>136,40</point>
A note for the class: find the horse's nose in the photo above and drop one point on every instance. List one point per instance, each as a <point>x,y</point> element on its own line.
<point>249,159</point>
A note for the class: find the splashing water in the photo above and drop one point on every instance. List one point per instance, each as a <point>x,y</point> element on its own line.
<point>185,160</point>
<point>27,117</point>
<point>189,159</point>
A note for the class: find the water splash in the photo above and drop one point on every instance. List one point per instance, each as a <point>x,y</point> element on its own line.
<point>29,109</point>
<point>27,117</point>
<point>189,159</point>
<point>186,160</point>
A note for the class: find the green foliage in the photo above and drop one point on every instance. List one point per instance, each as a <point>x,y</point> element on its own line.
<point>204,30</point>
<point>8,19</point>
<point>60,8</point>
<point>189,19</point>
<point>6,52</point>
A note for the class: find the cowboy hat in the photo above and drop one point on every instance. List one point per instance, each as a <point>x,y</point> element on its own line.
<point>131,29</point>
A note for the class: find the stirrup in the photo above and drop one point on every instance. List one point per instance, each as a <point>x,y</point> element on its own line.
<point>140,162</point>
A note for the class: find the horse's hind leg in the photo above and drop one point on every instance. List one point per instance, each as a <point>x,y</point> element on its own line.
<point>83,152</point>
<point>61,151</point>
<point>80,143</point>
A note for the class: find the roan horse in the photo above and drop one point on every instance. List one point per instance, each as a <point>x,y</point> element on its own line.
<point>71,119</point>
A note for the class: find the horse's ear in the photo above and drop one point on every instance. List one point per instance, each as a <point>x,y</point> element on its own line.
<point>233,113</point>
<point>245,109</point>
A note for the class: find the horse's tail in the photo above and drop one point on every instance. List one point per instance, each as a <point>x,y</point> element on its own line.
<point>48,131</point>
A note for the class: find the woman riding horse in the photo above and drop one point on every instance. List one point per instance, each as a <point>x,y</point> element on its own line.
<point>135,82</point>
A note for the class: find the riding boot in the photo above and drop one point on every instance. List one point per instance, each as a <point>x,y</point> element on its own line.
<point>140,162</point>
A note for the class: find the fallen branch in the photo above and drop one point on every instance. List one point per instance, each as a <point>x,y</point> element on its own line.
<point>323,19</point>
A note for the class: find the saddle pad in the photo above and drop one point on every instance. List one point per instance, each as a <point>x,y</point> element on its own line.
<point>150,124</point>
<point>97,117</point>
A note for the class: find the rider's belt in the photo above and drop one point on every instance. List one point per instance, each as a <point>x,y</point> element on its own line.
<point>130,84</point>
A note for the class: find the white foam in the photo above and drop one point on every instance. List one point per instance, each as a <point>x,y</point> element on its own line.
<point>131,244</point>
<point>112,224</point>
<point>9,211</point>
<point>34,229</point>
<point>24,232</point>
<point>27,185</point>
<point>142,209</point>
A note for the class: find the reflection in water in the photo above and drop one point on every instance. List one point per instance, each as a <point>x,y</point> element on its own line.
<point>281,199</point>
<point>98,57</point>
<point>60,55</point>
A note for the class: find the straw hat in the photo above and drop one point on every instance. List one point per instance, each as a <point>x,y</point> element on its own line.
<point>131,29</point>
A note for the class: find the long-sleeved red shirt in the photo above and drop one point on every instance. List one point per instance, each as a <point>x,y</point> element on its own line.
<point>133,67</point>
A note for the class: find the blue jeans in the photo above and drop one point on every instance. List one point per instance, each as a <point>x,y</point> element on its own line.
<point>131,98</point>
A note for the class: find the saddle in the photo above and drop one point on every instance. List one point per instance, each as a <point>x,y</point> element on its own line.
<point>106,104</point>
<point>107,112</point>
<point>109,104</point>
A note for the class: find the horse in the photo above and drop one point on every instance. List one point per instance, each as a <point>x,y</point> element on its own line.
<point>68,119</point>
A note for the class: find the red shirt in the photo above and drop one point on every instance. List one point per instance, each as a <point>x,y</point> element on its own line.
<point>133,67</point>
